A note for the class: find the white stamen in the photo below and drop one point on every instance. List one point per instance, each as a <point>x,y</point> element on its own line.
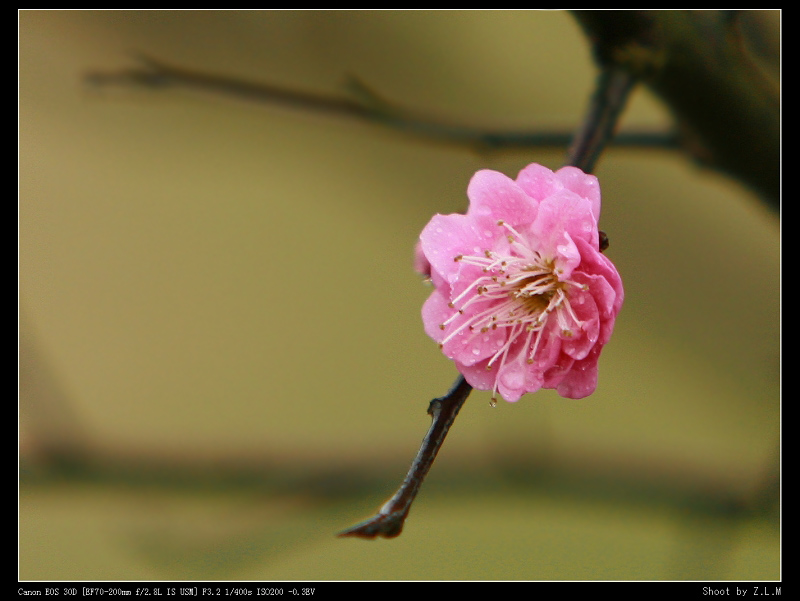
<point>520,291</point>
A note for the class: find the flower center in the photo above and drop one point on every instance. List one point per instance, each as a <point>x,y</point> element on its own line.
<point>513,299</point>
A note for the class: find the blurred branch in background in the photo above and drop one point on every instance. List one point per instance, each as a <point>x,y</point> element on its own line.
<point>52,432</point>
<point>711,75</point>
<point>363,103</point>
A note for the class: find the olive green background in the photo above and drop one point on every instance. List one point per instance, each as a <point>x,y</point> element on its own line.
<point>222,360</point>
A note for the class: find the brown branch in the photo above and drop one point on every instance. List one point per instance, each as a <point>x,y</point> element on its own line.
<point>597,130</point>
<point>613,88</point>
<point>363,104</point>
<point>727,109</point>
<point>388,522</point>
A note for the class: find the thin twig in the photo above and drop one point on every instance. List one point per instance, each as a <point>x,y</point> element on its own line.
<point>363,104</point>
<point>388,522</point>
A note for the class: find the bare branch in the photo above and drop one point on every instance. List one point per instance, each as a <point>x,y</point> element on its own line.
<point>388,522</point>
<point>363,104</point>
<point>597,130</point>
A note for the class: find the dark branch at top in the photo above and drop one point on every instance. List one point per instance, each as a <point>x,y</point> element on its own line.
<point>597,130</point>
<point>726,108</point>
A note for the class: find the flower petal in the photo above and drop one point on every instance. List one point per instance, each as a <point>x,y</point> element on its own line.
<point>565,212</point>
<point>538,182</point>
<point>478,376</point>
<point>435,311</point>
<point>584,185</point>
<point>581,342</point>
<point>444,238</point>
<point>594,263</point>
<point>469,347</point>
<point>493,194</point>
<point>581,380</point>
<point>524,298</point>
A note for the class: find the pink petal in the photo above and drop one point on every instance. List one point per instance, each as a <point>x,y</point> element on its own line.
<point>581,380</point>
<point>583,184</point>
<point>517,378</point>
<point>556,374</point>
<point>468,347</point>
<point>478,376</point>
<point>593,262</point>
<point>493,194</point>
<point>549,350</point>
<point>435,312</point>
<point>538,181</point>
<point>565,212</point>
<point>444,238</point>
<point>581,342</point>
<point>548,222</point>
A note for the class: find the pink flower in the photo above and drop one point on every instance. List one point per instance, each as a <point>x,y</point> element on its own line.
<point>523,297</point>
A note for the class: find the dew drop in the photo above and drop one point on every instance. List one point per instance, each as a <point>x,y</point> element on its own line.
<point>476,351</point>
<point>493,402</point>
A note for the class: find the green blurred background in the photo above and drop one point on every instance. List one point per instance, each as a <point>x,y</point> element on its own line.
<point>222,361</point>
